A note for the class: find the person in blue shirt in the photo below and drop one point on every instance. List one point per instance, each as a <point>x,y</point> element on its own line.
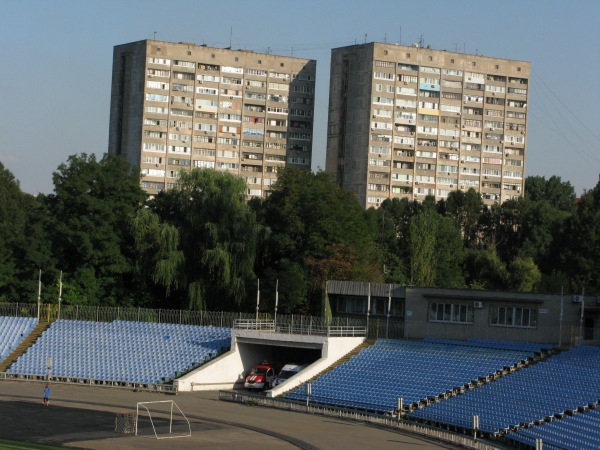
<point>46,395</point>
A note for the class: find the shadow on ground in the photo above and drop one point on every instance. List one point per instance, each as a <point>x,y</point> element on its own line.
<point>59,425</point>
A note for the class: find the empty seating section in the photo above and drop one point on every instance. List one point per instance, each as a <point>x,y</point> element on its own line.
<point>559,385</point>
<point>580,431</point>
<point>13,330</point>
<point>376,377</point>
<point>490,343</point>
<point>133,352</point>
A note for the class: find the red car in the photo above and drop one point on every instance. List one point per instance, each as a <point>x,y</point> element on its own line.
<point>261,376</point>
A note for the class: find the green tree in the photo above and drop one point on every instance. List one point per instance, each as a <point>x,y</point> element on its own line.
<point>525,275</point>
<point>217,239</point>
<point>466,208</point>
<point>394,216</point>
<point>485,270</point>
<point>317,226</point>
<point>559,194</point>
<point>435,250</point>
<point>24,247</point>
<point>91,211</point>
<point>580,253</point>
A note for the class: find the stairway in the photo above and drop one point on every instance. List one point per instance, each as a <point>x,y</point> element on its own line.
<point>23,346</point>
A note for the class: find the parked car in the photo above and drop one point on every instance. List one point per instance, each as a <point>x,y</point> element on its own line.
<point>288,371</point>
<point>262,376</point>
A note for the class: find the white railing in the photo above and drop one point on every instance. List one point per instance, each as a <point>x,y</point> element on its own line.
<point>308,327</point>
<point>151,387</point>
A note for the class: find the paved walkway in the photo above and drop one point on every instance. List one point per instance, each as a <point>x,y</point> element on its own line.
<point>84,417</point>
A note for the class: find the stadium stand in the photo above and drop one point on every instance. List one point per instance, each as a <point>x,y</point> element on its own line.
<point>581,431</point>
<point>14,331</point>
<point>129,352</point>
<point>417,372</point>
<point>560,385</point>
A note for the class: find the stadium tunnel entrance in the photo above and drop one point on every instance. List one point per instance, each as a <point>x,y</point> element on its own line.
<point>252,347</point>
<point>279,354</point>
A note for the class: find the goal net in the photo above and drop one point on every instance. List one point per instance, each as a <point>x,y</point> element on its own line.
<point>161,419</point>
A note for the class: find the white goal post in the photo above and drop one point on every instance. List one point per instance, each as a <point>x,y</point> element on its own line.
<point>164,408</point>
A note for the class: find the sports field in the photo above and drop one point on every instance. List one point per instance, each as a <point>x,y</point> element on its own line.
<point>84,417</point>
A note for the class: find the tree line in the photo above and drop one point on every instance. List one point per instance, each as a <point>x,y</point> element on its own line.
<point>204,246</point>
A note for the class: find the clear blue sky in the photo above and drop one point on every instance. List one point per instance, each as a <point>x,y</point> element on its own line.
<point>56,62</point>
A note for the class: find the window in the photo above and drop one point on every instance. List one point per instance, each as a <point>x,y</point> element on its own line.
<point>280,86</point>
<point>183,75</point>
<point>150,147</point>
<point>157,98</point>
<point>208,78</point>
<point>513,316</point>
<point>453,72</point>
<point>383,100</point>
<point>159,73</point>
<point>257,72</point>
<point>188,64</point>
<point>403,103</point>
<point>380,150</point>
<point>451,108</point>
<point>406,91</point>
<point>407,78</point>
<point>165,62</point>
<point>205,164</point>
<point>450,313</point>
<point>157,109</point>
<point>384,76</point>
<point>430,69</point>
<point>403,66</point>
<point>157,85</point>
<point>280,75</point>
<point>352,305</point>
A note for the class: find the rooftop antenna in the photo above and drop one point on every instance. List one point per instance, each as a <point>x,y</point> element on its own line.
<point>385,38</point>
<point>365,38</point>
<point>155,35</point>
<point>230,34</point>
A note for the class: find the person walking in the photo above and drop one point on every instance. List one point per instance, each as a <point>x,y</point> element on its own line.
<point>46,395</point>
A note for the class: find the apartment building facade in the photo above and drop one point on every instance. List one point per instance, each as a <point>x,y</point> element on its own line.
<point>408,122</point>
<point>180,106</point>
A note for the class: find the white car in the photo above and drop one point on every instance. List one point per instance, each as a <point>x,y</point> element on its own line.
<point>288,371</point>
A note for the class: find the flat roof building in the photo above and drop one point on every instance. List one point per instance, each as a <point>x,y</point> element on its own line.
<point>409,122</point>
<point>177,106</point>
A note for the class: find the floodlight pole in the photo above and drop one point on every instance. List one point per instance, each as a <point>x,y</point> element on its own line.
<point>39,298</point>
<point>276,300</point>
<point>581,316</point>
<point>59,294</point>
<point>257,300</point>
<point>560,322</point>
<point>387,324</point>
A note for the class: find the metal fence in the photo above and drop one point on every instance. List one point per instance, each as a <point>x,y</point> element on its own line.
<point>384,420</point>
<point>50,312</point>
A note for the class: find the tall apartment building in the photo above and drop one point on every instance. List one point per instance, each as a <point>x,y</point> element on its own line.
<point>180,106</point>
<point>408,121</point>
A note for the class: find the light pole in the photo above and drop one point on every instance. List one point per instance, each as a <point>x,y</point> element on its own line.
<point>49,367</point>
<point>59,294</point>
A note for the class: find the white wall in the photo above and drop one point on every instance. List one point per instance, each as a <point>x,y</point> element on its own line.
<point>229,370</point>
